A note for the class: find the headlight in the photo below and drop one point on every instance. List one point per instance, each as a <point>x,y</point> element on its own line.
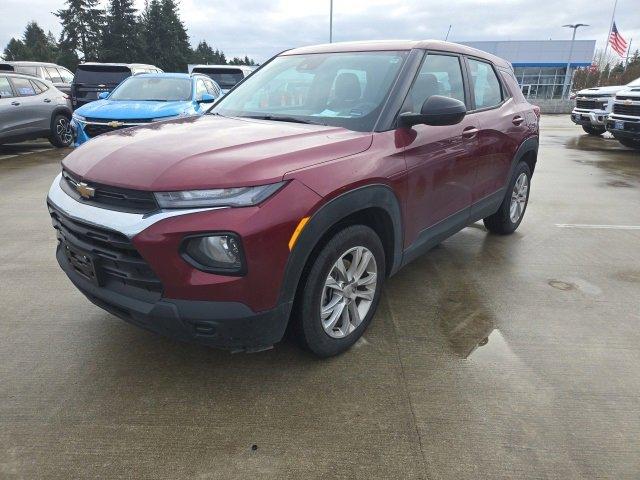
<point>220,253</point>
<point>78,118</point>
<point>219,197</point>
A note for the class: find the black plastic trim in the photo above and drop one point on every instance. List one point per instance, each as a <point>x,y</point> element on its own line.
<point>208,269</point>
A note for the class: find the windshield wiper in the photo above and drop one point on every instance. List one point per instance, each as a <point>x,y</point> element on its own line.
<point>279,118</point>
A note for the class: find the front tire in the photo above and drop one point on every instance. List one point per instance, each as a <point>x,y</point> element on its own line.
<point>341,292</point>
<point>508,217</point>
<point>61,133</point>
<point>595,131</point>
<point>630,143</point>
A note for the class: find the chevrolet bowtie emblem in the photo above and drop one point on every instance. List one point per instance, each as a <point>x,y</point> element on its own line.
<point>115,124</point>
<point>628,102</point>
<point>85,190</point>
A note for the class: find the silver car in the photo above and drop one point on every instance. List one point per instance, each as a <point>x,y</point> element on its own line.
<point>32,108</point>
<point>59,76</point>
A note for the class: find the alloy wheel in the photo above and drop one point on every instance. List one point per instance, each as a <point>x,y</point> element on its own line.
<point>519,197</point>
<point>64,132</point>
<point>348,292</point>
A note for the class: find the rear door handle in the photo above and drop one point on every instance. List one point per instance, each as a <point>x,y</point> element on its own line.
<point>47,100</point>
<point>517,120</point>
<point>469,132</point>
<point>15,104</point>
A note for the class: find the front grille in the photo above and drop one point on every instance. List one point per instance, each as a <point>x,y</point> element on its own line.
<point>633,110</point>
<point>118,264</point>
<point>112,198</point>
<point>94,129</point>
<point>590,104</point>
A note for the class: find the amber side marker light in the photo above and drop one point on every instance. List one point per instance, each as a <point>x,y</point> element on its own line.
<point>297,231</point>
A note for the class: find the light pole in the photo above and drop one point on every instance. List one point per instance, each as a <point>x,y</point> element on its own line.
<point>330,21</point>
<point>567,75</point>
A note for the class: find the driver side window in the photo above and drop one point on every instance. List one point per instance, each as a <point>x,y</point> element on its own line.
<point>201,89</point>
<point>439,75</point>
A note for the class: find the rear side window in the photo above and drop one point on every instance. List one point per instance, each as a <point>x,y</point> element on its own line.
<point>67,76</point>
<point>201,89</point>
<point>225,77</point>
<point>27,70</point>
<point>53,74</point>
<point>212,88</point>
<point>486,86</point>
<point>101,75</point>
<point>512,84</point>
<point>5,88</point>
<point>439,75</point>
<point>23,86</point>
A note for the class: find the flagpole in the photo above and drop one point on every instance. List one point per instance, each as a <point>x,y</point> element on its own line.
<point>606,45</point>
<point>628,53</point>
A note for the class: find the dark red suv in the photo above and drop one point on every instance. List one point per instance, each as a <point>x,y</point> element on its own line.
<point>301,191</point>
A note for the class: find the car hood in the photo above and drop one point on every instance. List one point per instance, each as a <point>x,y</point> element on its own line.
<point>603,90</point>
<point>209,151</point>
<point>129,109</point>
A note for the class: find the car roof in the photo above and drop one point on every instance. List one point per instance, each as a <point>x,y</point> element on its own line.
<point>28,63</point>
<point>226,67</point>
<point>164,75</point>
<point>25,75</point>
<point>389,45</point>
<point>130,65</point>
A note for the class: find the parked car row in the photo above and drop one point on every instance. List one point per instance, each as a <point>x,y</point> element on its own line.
<point>612,108</point>
<point>157,97</point>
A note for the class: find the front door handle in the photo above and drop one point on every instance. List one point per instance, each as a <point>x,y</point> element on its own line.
<point>517,120</point>
<point>15,104</point>
<point>469,132</point>
<point>47,100</point>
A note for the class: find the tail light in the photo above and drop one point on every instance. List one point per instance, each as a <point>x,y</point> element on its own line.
<point>536,110</point>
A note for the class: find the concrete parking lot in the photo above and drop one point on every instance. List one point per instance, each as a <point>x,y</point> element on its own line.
<point>490,357</point>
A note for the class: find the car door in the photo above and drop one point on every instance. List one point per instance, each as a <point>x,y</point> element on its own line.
<point>441,163</point>
<point>502,123</point>
<point>8,123</point>
<point>33,107</point>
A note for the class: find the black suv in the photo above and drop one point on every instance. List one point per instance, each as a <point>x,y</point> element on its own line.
<point>91,79</point>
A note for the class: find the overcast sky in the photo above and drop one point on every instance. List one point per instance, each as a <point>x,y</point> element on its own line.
<point>261,28</point>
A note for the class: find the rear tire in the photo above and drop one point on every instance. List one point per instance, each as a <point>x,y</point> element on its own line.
<point>61,133</point>
<point>336,303</point>
<point>596,131</point>
<point>511,212</point>
<point>630,143</point>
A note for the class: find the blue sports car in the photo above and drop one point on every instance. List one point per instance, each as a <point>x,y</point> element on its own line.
<point>143,99</point>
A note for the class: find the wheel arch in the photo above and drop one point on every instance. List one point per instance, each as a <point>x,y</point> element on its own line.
<point>373,205</point>
<point>527,152</point>
<point>60,110</point>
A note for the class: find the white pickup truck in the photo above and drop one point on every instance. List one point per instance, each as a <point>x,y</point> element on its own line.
<point>593,105</point>
<point>624,121</point>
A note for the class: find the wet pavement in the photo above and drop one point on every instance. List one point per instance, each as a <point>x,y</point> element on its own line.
<point>490,357</point>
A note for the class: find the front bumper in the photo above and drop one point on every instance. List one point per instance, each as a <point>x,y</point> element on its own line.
<point>624,127</point>
<point>596,118</point>
<point>228,325</point>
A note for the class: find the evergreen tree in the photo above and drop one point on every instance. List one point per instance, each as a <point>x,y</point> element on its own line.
<point>82,25</point>
<point>174,41</point>
<point>205,54</point>
<point>242,61</point>
<point>152,29</point>
<point>120,38</point>
<point>15,50</point>
<point>35,45</point>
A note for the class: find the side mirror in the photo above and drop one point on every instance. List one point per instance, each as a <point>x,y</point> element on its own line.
<point>437,110</point>
<point>206,98</point>
<point>103,95</point>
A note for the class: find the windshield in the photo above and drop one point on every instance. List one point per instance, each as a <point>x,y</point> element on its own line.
<point>99,74</point>
<point>225,77</point>
<point>153,88</point>
<point>635,83</point>
<point>339,89</point>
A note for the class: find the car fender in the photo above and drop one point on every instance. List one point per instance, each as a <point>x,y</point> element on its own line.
<point>529,145</point>
<point>331,213</point>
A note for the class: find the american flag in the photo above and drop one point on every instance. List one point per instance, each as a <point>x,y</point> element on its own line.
<point>618,43</point>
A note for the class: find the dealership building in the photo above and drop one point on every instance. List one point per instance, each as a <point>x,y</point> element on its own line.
<point>541,65</point>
